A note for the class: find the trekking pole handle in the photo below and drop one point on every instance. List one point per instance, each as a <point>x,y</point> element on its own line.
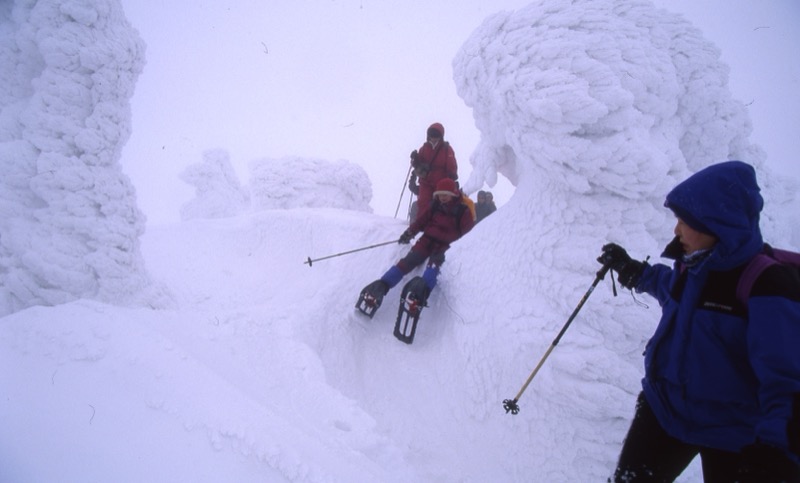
<point>601,274</point>
<point>310,261</point>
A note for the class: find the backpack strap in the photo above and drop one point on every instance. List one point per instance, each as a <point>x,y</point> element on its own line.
<point>755,267</point>
<point>785,256</point>
<point>460,209</point>
<point>751,272</point>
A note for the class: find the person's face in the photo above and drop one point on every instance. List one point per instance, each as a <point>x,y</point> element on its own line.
<point>433,139</point>
<point>444,198</point>
<point>481,198</point>
<point>691,239</point>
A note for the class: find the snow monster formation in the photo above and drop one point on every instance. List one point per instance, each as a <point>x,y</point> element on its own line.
<point>69,224</point>
<point>593,109</point>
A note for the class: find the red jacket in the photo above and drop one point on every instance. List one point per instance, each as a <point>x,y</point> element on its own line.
<point>439,161</point>
<point>444,222</point>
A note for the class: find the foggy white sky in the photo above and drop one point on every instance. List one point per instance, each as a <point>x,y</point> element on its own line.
<point>351,79</point>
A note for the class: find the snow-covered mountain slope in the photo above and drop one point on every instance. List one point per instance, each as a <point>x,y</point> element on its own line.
<point>262,371</point>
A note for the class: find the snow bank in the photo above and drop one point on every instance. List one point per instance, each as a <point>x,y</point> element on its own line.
<point>263,371</point>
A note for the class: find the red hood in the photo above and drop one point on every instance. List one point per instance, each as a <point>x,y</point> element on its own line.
<point>438,126</point>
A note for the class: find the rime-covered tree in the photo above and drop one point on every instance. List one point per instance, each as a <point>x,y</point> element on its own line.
<point>294,182</point>
<point>69,224</point>
<point>218,191</point>
<point>593,109</point>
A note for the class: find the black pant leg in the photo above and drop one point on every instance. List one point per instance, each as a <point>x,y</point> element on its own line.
<point>768,465</point>
<point>648,453</point>
<point>412,260</point>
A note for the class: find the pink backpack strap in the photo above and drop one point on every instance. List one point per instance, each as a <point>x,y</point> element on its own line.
<point>752,271</point>
<point>785,256</point>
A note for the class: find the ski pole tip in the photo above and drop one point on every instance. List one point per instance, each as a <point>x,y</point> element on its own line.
<point>510,405</point>
<point>308,262</point>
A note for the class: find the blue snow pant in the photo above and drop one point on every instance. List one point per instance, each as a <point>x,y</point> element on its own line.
<point>425,248</point>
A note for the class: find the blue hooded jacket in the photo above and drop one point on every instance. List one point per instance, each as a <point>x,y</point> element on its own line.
<point>717,373</point>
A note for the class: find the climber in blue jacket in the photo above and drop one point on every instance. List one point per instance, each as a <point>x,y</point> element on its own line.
<point>722,375</point>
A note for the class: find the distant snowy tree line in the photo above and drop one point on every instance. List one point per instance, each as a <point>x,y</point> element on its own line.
<point>290,182</point>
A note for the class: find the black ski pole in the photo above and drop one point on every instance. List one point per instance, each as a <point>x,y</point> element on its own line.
<point>310,261</point>
<point>510,405</point>
<point>397,210</point>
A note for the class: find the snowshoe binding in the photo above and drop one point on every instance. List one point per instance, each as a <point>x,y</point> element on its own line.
<point>412,300</point>
<point>371,297</point>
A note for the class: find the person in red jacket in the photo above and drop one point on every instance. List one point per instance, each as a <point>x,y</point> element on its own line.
<point>435,160</point>
<point>442,222</point>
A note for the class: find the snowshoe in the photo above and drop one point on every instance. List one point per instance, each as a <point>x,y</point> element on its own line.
<point>412,300</point>
<point>371,297</point>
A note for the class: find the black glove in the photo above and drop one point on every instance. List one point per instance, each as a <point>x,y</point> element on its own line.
<point>412,184</point>
<point>406,237</point>
<point>629,271</point>
<point>414,155</point>
<point>422,170</point>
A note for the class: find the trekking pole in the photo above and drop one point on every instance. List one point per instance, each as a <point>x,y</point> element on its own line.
<point>510,405</point>
<point>397,210</point>
<point>310,261</point>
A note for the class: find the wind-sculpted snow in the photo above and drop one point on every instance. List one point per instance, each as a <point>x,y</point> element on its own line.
<point>593,109</point>
<point>286,183</point>
<point>295,182</point>
<point>598,96</point>
<point>69,225</point>
<point>218,191</point>
<point>611,98</point>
